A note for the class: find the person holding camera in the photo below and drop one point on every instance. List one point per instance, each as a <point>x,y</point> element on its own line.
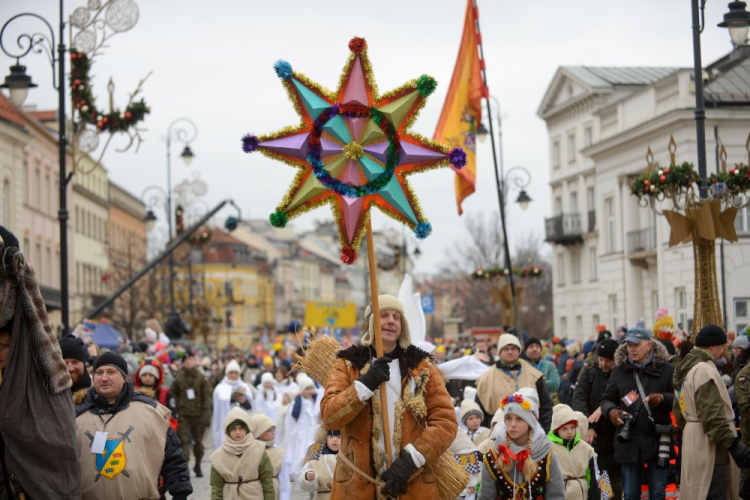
<point>704,411</point>
<point>637,400</point>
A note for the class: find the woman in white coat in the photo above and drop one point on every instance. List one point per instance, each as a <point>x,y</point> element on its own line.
<point>223,400</point>
<point>268,397</point>
<point>301,422</point>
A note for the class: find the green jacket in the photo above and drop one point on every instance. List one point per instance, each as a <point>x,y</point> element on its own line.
<point>265,476</point>
<point>711,407</point>
<point>742,392</point>
<point>201,404</point>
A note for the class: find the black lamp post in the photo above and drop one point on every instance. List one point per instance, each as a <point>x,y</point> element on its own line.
<point>737,20</point>
<point>178,132</point>
<point>18,85</point>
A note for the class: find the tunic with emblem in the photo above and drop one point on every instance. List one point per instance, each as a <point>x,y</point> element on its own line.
<point>323,481</point>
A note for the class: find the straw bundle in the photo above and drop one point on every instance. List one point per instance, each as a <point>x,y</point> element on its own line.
<point>319,358</point>
<point>451,477</point>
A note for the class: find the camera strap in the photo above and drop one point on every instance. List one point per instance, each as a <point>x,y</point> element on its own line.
<point>643,395</point>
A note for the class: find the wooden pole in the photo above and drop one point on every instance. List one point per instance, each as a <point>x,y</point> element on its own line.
<point>378,338</point>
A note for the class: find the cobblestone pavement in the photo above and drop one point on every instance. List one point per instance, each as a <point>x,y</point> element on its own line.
<point>201,485</point>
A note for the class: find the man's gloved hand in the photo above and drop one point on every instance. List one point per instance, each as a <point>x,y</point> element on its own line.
<point>740,454</point>
<point>614,417</point>
<point>397,477</point>
<point>654,399</point>
<point>378,373</point>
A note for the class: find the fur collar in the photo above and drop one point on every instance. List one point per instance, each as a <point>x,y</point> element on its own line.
<point>360,355</point>
<point>661,356</point>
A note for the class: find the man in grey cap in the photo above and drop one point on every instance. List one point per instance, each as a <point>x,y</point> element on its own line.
<point>125,437</point>
<point>640,393</point>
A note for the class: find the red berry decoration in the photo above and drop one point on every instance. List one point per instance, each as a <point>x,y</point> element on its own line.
<point>731,171</point>
<point>128,115</point>
<point>663,178</point>
<point>646,182</point>
<point>357,44</point>
<point>100,124</point>
<point>666,170</point>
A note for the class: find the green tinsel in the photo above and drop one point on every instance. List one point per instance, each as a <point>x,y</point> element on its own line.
<point>426,85</point>
<point>279,219</point>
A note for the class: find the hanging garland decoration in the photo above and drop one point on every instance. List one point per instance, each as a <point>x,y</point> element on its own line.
<point>80,87</point>
<point>673,180</point>
<point>736,180</point>
<point>502,272</point>
<point>353,149</point>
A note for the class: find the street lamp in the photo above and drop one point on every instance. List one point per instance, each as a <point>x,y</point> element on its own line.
<point>738,22</point>
<point>18,84</point>
<point>178,132</point>
<point>150,220</point>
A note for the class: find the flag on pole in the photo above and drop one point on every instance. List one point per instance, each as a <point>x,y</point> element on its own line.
<point>462,111</point>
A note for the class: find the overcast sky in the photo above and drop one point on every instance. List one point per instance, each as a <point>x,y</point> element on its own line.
<point>212,62</point>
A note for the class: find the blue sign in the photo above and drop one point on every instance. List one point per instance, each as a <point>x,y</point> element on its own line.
<point>428,304</point>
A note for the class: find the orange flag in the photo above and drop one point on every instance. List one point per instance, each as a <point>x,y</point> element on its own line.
<point>462,111</point>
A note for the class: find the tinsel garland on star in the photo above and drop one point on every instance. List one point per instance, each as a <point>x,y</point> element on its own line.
<point>353,149</point>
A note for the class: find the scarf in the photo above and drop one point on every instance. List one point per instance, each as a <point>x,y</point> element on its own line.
<point>643,365</point>
<point>297,406</point>
<point>237,447</point>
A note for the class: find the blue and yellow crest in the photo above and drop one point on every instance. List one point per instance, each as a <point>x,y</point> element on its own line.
<point>112,462</point>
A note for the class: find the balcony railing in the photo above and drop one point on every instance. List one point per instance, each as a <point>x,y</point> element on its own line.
<point>592,221</point>
<point>564,229</point>
<point>642,241</point>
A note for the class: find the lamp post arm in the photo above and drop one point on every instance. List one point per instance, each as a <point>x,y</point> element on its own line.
<point>700,111</point>
<point>36,42</point>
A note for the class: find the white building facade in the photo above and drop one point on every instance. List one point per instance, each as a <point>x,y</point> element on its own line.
<point>611,259</point>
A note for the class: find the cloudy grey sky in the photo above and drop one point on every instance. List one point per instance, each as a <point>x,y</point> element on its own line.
<point>212,62</point>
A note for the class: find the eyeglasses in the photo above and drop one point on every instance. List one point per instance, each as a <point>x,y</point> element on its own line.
<point>4,347</point>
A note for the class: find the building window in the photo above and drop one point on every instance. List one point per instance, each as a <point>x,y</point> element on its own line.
<point>561,269</point>
<point>564,328</point>
<point>574,203</point>
<point>579,325</point>
<point>571,148</point>
<point>742,221</point>
<point>741,313</point>
<point>590,199</point>
<point>588,137</point>
<point>593,264</point>
<point>38,189</point>
<point>6,203</point>
<point>613,311</point>
<point>558,206</point>
<point>609,211</point>
<point>48,257</point>
<point>25,181</point>
<point>681,299</point>
<point>576,264</point>
<point>46,195</point>
<point>26,246</point>
<point>556,154</point>
<point>38,260</point>
<point>595,319</point>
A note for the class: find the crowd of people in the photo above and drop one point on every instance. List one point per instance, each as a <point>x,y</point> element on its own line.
<point>641,413</point>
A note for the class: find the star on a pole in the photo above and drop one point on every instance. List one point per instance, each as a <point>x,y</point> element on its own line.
<point>353,149</point>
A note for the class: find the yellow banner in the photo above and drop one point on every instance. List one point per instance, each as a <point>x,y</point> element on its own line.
<point>331,314</point>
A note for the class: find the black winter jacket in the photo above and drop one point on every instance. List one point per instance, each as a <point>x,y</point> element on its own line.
<point>655,377</point>
<point>174,470</point>
<point>586,399</point>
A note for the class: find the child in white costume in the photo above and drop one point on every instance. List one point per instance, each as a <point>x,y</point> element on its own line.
<point>317,473</point>
<point>301,422</point>
<point>268,397</point>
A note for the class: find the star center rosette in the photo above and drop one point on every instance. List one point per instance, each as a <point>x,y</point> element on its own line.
<point>353,149</point>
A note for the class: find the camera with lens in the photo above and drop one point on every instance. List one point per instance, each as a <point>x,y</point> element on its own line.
<point>665,432</point>
<point>625,434</point>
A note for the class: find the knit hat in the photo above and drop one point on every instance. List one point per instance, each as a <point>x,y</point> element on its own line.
<point>468,408</point>
<point>563,415</point>
<point>742,342</point>
<point>110,358</point>
<point>470,392</point>
<point>588,346</point>
<point>73,348</point>
<point>607,349</point>
<point>573,347</point>
<point>507,339</point>
<point>664,325</point>
<point>524,404</point>
<point>268,360</point>
<point>604,334</point>
<point>232,366</point>
<point>237,416</point>
<point>710,335</point>
<point>148,369</point>
<point>260,423</point>
<point>267,377</point>
<point>303,381</point>
<point>531,341</point>
<point>387,303</point>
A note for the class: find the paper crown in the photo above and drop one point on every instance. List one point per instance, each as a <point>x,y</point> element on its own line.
<point>353,149</point>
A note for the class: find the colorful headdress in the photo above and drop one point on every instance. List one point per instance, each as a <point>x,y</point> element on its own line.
<point>353,149</point>
<point>664,326</point>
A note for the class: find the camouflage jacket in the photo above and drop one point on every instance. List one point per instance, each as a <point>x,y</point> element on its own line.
<point>200,404</point>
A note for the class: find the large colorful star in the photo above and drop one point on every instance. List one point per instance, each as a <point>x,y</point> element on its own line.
<point>353,149</point>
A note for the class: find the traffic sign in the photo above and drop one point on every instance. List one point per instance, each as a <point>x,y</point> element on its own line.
<point>428,304</point>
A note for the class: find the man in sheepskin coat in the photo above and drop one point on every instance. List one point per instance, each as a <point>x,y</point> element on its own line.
<point>421,416</point>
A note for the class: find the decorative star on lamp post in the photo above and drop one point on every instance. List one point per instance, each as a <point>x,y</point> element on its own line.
<point>353,149</point>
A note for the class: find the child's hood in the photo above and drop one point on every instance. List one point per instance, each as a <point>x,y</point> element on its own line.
<point>234,414</point>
